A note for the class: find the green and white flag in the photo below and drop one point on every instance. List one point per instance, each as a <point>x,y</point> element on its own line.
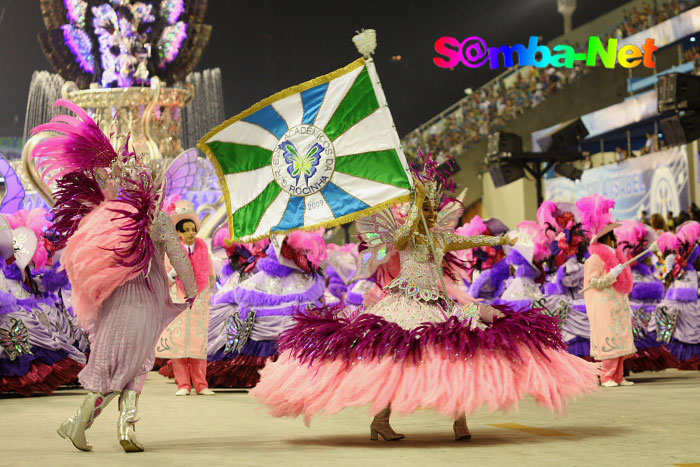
<point>318,154</point>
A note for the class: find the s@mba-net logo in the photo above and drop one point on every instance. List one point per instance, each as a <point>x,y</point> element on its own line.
<point>474,53</point>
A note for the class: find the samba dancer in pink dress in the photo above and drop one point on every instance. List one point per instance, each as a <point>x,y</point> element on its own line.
<point>107,214</point>
<point>415,349</point>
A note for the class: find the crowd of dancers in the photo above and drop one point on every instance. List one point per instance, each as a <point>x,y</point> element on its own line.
<point>421,313</point>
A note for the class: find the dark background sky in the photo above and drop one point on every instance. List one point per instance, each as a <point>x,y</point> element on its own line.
<point>265,46</point>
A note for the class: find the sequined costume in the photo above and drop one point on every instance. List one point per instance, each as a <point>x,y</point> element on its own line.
<point>48,347</point>
<point>261,310</point>
<point>677,317</point>
<point>41,347</point>
<point>415,350</point>
<point>633,239</point>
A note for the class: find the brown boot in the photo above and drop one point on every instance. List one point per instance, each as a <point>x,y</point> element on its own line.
<point>380,426</point>
<point>461,429</point>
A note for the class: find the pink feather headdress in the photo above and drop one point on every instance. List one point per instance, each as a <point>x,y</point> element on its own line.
<point>689,233</point>
<point>88,171</point>
<point>632,237</point>
<point>595,213</point>
<point>80,145</point>
<point>311,244</point>
<point>668,243</point>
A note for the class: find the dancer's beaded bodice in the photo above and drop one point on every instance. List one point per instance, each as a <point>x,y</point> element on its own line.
<point>420,271</point>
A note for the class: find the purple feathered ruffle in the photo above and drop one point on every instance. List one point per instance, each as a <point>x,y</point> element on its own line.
<point>52,280</point>
<point>682,295</point>
<point>8,303</point>
<point>496,277</point>
<point>21,365</point>
<point>260,299</point>
<point>525,268</point>
<point>322,334</point>
<point>648,291</point>
<point>226,297</point>
<point>272,266</point>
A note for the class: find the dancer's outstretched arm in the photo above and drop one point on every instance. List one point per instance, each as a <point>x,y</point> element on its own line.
<point>458,242</point>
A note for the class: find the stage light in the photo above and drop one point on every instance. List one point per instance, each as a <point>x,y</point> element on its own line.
<point>692,39</point>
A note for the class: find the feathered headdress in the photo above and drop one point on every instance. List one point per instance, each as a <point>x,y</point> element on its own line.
<point>684,244</point>
<point>596,218</point>
<point>80,146</point>
<point>89,170</point>
<point>668,243</point>
<point>436,177</point>
<point>560,235</point>
<point>633,237</point>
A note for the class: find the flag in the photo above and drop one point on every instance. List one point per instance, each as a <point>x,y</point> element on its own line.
<point>318,154</point>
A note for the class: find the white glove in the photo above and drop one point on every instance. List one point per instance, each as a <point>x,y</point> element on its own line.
<point>617,270</point>
<point>172,276</point>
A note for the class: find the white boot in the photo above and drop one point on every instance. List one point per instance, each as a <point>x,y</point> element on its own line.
<point>74,428</point>
<point>126,429</point>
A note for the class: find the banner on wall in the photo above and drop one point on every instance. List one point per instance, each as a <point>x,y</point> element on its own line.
<point>656,183</point>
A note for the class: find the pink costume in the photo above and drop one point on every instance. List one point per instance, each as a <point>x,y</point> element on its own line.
<point>609,311</point>
<point>185,338</point>
<point>607,297</point>
<point>414,350</point>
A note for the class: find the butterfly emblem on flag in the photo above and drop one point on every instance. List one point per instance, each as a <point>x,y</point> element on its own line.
<point>301,164</point>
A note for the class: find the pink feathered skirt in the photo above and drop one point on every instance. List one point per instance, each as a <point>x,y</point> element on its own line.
<point>330,361</point>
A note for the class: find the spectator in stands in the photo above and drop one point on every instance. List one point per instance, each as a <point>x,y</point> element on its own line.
<point>658,223</point>
<point>652,144</point>
<point>645,218</point>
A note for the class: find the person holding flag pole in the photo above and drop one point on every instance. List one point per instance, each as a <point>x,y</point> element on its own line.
<point>324,153</point>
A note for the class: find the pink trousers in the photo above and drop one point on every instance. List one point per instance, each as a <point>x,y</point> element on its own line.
<point>613,370</point>
<point>194,369</point>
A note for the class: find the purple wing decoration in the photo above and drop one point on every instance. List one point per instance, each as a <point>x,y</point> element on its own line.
<point>11,188</point>
<point>181,173</point>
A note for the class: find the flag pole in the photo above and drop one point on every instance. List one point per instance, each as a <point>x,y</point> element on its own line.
<point>366,42</point>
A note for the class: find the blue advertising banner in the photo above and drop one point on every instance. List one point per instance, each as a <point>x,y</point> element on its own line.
<point>655,183</point>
